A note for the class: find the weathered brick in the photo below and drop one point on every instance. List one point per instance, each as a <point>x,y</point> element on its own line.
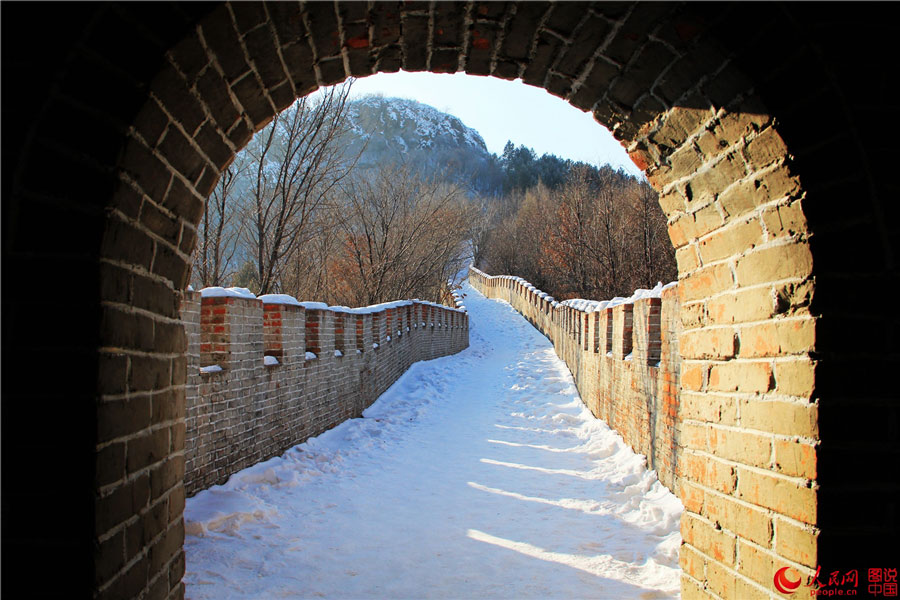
<point>797,543</point>
<point>709,145</point>
<point>184,202</point>
<point>694,436</point>
<point>109,464</point>
<point>707,219</point>
<point>786,418</point>
<point>109,557</point>
<point>709,407</point>
<point>693,314</point>
<point>183,156</point>
<point>795,458</point>
<point>147,449</point>
<point>119,418</point>
<point>681,230</point>
<point>687,258</point>
<point>734,126</point>
<point>793,297</point>
<point>746,591</point>
<point>741,375</point>
<point>692,497</point>
<point>691,589</point>
<point>731,241</point>
<point>168,547</point>
<point>701,534</point>
<point>708,183</point>
<point>785,496</point>
<point>766,148</point>
<point>739,518</point>
<point>705,282</point>
<point>678,124</point>
<point>709,472</point>
<point>124,242</point>
<point>113,373</point>
<point>741,197</point>
<point>715,343</point>
<point>745,195</point>
<point>693,376</point>
<point>117,506</point>
<point>685,161</point>
<point>784,220</point>
<point>149,373</point>
<point>672,203</point>
<point>774,263</point>
<point>742,306</point>
<point>720,579</point>
<point>740,446</point>
<point>795,377</point>
<point>692,562</point>
<point>777,338</point>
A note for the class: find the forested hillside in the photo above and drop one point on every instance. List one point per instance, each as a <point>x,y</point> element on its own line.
<point>367,200</point>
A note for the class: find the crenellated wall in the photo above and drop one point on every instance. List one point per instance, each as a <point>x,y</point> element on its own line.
<point>266,374</point>
<point>624,359</point>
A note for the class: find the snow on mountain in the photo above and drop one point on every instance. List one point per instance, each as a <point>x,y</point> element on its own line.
<point>406,132</point>
<point>407,125</point>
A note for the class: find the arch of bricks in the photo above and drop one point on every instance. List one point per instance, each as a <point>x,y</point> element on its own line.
<point>755,124</point>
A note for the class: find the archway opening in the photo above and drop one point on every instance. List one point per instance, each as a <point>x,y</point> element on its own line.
<point>191,416</point>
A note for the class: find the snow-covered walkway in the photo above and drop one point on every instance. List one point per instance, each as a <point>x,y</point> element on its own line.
<point>478,475</point>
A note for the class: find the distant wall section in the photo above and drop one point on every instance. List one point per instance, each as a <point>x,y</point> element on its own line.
<point>624,359</point>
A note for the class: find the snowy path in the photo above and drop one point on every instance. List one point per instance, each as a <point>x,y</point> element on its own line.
<point>478,475</point>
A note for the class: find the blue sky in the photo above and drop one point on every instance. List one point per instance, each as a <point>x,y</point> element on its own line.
<point>503,110</point>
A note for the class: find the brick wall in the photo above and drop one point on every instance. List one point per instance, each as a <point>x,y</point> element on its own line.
<point>743,463</point>
<point>624,360</point>
<point>250,411</point>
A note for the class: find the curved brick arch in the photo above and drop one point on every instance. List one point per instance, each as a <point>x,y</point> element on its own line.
<point>661,77</point>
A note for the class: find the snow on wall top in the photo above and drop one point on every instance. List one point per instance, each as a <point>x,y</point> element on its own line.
<point>580,303</point>
<point>232,292</point>
<point>236,292</point>
<point>279,299</point>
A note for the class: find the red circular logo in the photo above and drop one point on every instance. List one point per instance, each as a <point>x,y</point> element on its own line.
<point>783,584</point>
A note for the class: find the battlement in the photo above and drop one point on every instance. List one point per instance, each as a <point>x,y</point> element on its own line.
<point>623,354</point>
<point>267,373</point>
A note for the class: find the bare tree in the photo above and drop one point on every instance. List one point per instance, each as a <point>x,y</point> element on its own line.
<point>516,245</point>
<point>610,241</point>
<point>219,232</point>
<point>299,160</point>
<point>570,258</point>
<point>484,217</point>
<point>599,235</point>
<point>308,275</point>
<point>401,237</point>
<point>653,254</point>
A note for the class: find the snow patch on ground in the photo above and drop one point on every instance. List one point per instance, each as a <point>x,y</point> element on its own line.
<point>478,475</point>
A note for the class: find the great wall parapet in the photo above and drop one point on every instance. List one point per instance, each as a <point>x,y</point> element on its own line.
<point>265,374</point>
<point>624,358</point>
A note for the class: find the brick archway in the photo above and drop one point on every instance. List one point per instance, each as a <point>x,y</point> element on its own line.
<point>758,488</point>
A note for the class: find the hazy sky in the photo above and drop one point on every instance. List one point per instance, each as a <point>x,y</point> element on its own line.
<point>507,110</point>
